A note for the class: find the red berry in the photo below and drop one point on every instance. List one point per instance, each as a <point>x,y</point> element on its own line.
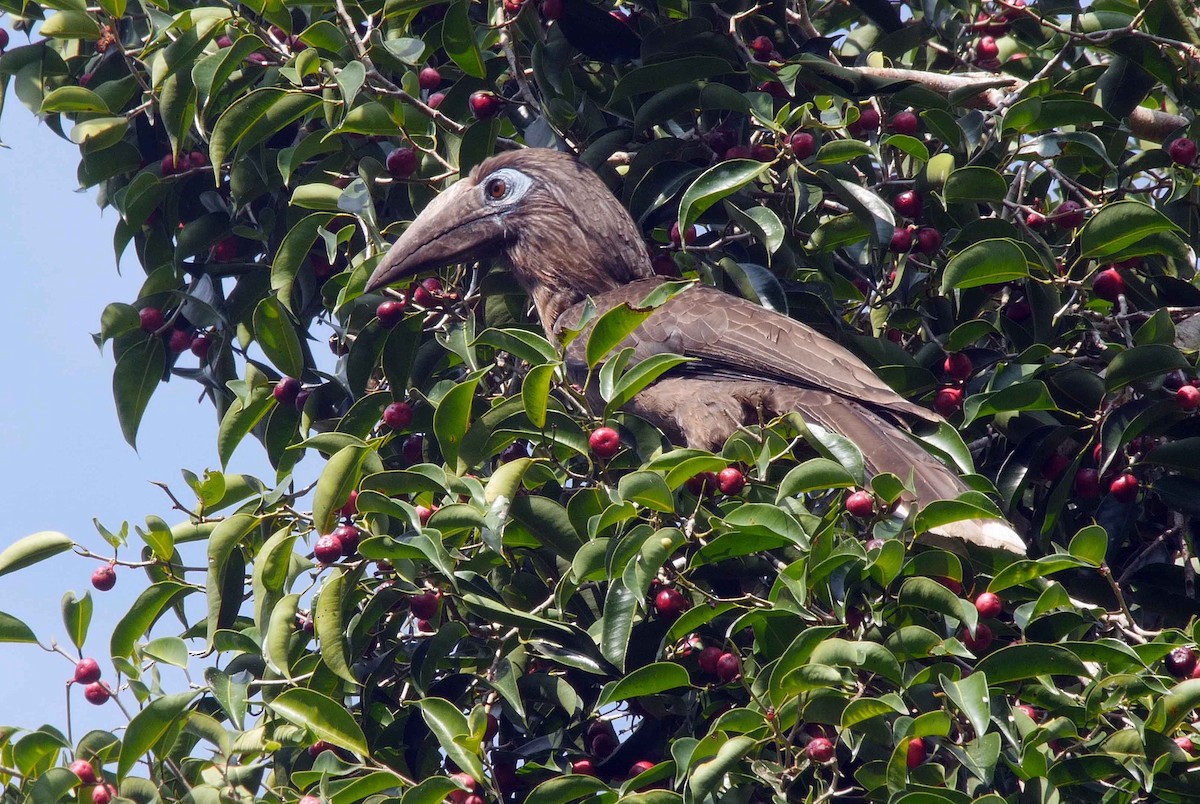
<point>151,319</point>
<point>958,366</point>
<point>413,449</point>
<point>398,415</point>
<point>762,46</point>
<point>429,78</point>
<point>953,585</point>
<point>348,536</point>
<point>200,345</point>
<point>425,605</point>
<point>708,658</point>
<point>604,442</point>
<point>103,793</point>
<point>729,667</point>
<point>435,99</point>
<point>948,401</point>
<point>905,123</point>
<point>1108,284</point>
<point>226,250</point>
<point>552,9</point>
<point>640,767</point>
<point>87,671</point>
<point>820,749</point>
<point>860,504</point>
<point>989,605</point>
<point>328,549</point>
<point>1087,483</point>
<point>390,313</point>
<point>84,770</point>
<point>909,203</point>
<point>464,780</point>
<point>929,240</point>
<point>902,240</point>
<point>1182,151</point>
<point>1188,397</point>
<point>1029,711</point>
<point>1124,488</point>
<point>197,159</point>
<point>1054,466</point>
<point>763,153</point>
<point>286,390</point>
<point>170,165</point>
<point>868,120</point>
<point>737,152</point>
<point>426,293</point>
<point>484,105</point>
<point>663,264</point>
<point>1068,215</point>
<point>318,748</point>
<point>104,578</point>
<point>803,144</point>
<point>677,240</point>
<point>1181,662</point>
<point>987,48</point>
<point>583,767</point>
<point>3,39</point>
<point>918,752</point>
<point>703,484</point>
<point>603,744</point>
<point>179,341</point>
<point>981,641</point>
<point>96,693</point>
<point>1186,745</point>
<point>670,602</point>
<point>730,480</point>
<point>402,162</point>
<point>1018,310</point>
<point>1035,220</point>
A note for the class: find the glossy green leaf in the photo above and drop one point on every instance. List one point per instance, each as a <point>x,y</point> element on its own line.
<point>70,25</point>
<point>144,612</point>
<point>1090,544</point>
<point>322,715</point>
<point>33,548</point>
<point>1119,225</point>
<point>535,393</point>
<point>329,619</point>
<point>453,417</point>
<point>14,630</point>
<point>1019,662</point>
<point>610,329</point>
<point>458,38</point>
<point>256,116</point>
<point>815,474</point>
<point>138,372</point>
<point>646,680</point>
<point>985,263</point>
<point>716,183</point>
<point>155,728</point>
<point>77,617</point>
<point>449,725</point>
<point>276,334</point>
<point>339,477</point>
<point>69,99</point>
<point>974,183</point>
<point>1141,363</point>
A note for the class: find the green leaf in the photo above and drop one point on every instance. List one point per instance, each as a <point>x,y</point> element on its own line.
<point>330,624</point>
<point>563,789</point>
<point>70,25</point>
<point>169,649</point>
<point>14,630</point>
<point>277,336</point>
<point>221,544</point>
<point>1173,708</point>
<point>706,776</point>
<point>33,548</point>
<point>611,329</point>
<point>928,594</point>
<point>985,263</point>
<point>835,152</point>
<point>137,374</point>
<point>281,626</point>
<point>974,184</point>
<point>716,183</point>
<point>155,728</point>
<point>77,616</point>
<point>339,477</point>
<point>71,99</point>
<point>640,376</point>
<point>620,604</point>
<point>506,480</point>
<point>970,695</point>
<point>240,418</point>
<point>452,417</point>
<point>256,116</point>
<point>1119,225</point>
<point>665,74</point>
<point>815,474</point>
<point>294,249</point>
<point>325,717</point>
<point>1020,662</point>
<point>535,393</point>
<point>1090,544</point>
<point>1143,362</point>
<point>450,725</point>
<point>458,38</point>
<point>1021,396</point>
<point>144,612</point>
<point>647,680</point>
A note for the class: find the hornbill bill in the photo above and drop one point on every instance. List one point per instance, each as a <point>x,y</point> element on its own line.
<point>567,239</point>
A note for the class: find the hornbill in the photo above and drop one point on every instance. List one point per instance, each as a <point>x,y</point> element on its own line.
<point>567,240</point>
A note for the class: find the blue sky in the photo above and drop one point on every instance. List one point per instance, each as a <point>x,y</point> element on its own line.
<point>65,461</point>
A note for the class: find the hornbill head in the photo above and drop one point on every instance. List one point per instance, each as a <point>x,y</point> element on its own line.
<point>549,216</point>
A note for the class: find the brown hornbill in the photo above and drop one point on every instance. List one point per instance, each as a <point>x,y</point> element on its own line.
<point>567,239</point>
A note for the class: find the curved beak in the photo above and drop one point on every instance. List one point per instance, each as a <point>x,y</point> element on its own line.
<point>455,227</point>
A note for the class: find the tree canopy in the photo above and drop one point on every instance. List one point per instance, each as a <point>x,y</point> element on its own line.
<point>994,204</point>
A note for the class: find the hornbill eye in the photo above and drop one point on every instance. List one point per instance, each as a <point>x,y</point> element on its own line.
<point>497,189</point>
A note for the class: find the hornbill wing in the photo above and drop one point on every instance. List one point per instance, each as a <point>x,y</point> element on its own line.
<point>737,339</point>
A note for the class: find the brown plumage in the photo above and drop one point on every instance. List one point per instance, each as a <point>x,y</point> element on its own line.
<point>567,239</point>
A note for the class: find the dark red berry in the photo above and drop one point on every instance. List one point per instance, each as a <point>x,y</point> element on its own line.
<point>670,602</point>
<point>84,770</point>
<point>200,344</point>
<point>707,659</point>
<point>860,504</point>
<point>1188,397</point>
<point>348,536</point>
<point>820,749</point>
<point>868,120</point>
<point>1054,466</point>
<point>902,240</point>
<point>1109,284</point>
<point>351,506</point>
<point>1182,151</point>
<point>1035,220</point>
<point>1124,488</point>
<point>1029,711</point>
<point>436,98</point>
<point>803,144</point>
<point>730,480</point>
<point>151,319</point>
<point>909,203</point>
<point>104,578</point>
<point>604,442</point>
<point>905,123</point>
<point>1181,662</point>
<point>402,163</point>
<point>328,549</point>
<point>948,401</point>
<point>958,366</point>
<point>390,313</point>
<point>552,9</point>
<point>425,605</point>
<point>96,693</point>
<point>987,48</point>
<point>484,105</point>
<point>286,390</point>
<point>981,641</point>
<point>1087,483</point>
<point>687,237</point>
<point>413,449</point>
<point>1068,215</point>
<point>103,793</point>
<point>989,605</point>
<point>87,671</point>
<point>398,415</point>
<point>583,767</point>
<point>703,484</point>
<point>917,752</point>
<point>929,240</point>
<point>429,78</point>
<point>762,47</point>
<point>729,667</point>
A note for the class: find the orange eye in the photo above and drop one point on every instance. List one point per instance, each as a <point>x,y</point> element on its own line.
<point>497,189</point>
